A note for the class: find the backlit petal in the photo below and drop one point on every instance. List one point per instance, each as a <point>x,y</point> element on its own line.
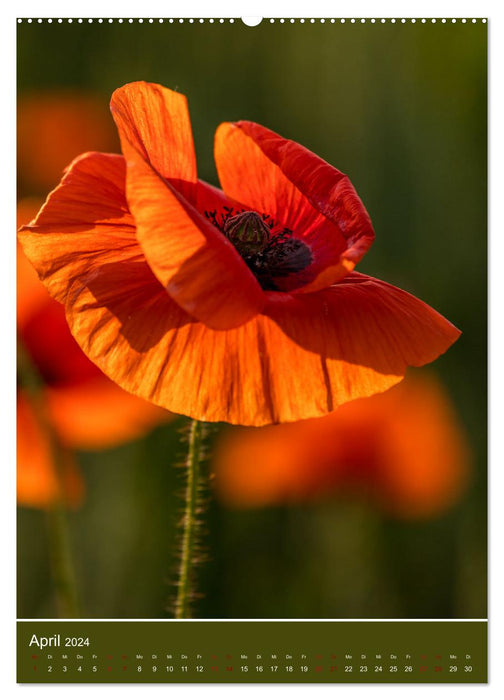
<point>193,260</point>
<point>84,219</point>
<point>155,122</point>
<point>298,189</point>
<point>302,357</point>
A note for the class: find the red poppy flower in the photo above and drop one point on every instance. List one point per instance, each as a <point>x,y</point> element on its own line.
<point>404,450</point>
<point>84,407</point>
<point>237,305</point>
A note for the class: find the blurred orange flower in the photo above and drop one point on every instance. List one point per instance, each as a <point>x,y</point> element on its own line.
<point>84,407</point>
<point>52,128</point>
<point>238,305</point>
<point>404,450</point>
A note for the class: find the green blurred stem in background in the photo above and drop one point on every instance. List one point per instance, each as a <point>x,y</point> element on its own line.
<point>191,522</point>
<point>57,526</point>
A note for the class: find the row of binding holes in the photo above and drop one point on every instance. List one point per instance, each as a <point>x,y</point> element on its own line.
<point>140,20</point>
<point>383,20</point>
<point>231,20</point>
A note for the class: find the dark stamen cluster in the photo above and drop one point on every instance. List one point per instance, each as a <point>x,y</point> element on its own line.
<point>269,256</point>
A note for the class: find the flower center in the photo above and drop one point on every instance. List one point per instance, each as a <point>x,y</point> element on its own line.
<point>268,255</point>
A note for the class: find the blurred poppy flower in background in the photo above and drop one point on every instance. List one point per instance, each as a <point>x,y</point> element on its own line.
<point>52,128</point>
<point>238,305</point>
<point>85,409</point>
<point>404,450</point>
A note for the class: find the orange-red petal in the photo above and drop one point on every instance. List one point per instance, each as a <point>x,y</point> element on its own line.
<point>155,122</point>
<point>193,260</point>
<point>84,219</point>
<point>299,190</point>
<point>403,449</point>
<point>37,482</point>
<point>196,264</point>
<point>302,357</point>
<point>86,409</point>
<point>361,324</point>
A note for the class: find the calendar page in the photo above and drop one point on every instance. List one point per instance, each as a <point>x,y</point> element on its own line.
<point>252,360</point>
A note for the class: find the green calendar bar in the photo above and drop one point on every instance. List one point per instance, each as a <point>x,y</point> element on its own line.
<point>192,651</point>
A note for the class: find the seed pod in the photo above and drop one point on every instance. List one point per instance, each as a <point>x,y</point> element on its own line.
<point>247,232</point>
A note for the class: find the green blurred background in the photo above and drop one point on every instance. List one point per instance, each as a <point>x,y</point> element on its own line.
<point>402,110</point>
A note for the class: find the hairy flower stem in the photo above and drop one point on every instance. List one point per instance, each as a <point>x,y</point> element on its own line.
<point>57,526</point>
<point>191,522</point>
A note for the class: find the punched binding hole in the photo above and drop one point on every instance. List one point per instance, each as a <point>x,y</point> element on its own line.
<point>251,21</point>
